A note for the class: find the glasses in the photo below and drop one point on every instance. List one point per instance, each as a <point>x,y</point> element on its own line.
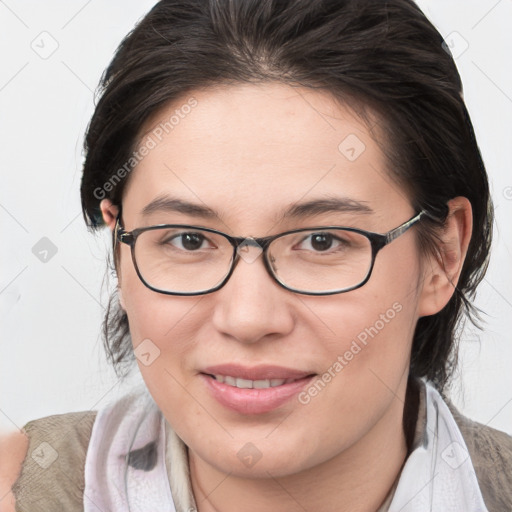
<point>180,259</point>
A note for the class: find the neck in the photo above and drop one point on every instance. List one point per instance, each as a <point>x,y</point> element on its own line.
<point>356,480</point>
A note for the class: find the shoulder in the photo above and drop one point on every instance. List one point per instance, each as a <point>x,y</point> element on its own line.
<point>491,455</point>
<point>13,449</point>
<point>47,449</point>
<point>487,443</point>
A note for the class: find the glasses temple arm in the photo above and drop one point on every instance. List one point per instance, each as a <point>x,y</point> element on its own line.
<point>395,233</point>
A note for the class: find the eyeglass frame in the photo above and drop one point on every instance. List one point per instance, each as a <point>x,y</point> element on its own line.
<point>377,241</point>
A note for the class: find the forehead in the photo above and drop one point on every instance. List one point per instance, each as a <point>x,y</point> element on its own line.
<point>248,149</point>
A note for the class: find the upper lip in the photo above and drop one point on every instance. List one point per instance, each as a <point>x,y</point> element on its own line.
<point>261,372</point>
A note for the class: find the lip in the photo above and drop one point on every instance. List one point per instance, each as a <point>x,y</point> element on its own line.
<point>261,372</point>
<point>254,401</point>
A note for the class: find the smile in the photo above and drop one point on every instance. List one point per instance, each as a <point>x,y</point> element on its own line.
<point>255,390</point>
<point>251,384</point>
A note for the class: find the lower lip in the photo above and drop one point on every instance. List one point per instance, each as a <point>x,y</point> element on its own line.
<point>253,401</point>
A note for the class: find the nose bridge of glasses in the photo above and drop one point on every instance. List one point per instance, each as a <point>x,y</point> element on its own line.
<point>249,249</point>
<point>248,241</point>
<point>243,247</point>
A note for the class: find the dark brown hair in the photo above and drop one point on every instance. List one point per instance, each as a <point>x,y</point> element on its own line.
<point>383,55</point>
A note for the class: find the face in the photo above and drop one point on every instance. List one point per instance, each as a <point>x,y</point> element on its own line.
<point>250,152</point>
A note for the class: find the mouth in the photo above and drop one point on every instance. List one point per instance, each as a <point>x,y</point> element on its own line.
<point>254,390</point>
<point>251,384</point>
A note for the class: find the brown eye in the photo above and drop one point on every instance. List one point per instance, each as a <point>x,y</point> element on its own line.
<point>321,242</point>
<point>188,241</point>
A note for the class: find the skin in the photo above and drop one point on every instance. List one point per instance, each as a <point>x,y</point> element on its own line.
<point>13,447</point>
<point>249,151</point>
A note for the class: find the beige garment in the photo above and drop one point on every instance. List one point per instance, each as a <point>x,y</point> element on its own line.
<point>60,486</point>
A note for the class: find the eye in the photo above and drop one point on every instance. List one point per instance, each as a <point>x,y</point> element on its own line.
<point>188,241</point>
<point>323,241</point>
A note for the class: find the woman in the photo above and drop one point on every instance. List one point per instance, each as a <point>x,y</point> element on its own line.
<point>292,189</point>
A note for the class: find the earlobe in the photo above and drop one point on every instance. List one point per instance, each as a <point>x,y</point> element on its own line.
<point>442,271</point>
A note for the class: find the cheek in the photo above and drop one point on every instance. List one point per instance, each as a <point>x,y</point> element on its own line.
<point>366,367</point>
<point>377,348</point>
<point>371,337</point>
<point>164,332</point>
<point>370,333</point>
<point>153,315</point>
<point>166,320</point>
<point>164,340</point>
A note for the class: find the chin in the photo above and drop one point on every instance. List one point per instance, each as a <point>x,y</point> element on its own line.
<point>258,459</point>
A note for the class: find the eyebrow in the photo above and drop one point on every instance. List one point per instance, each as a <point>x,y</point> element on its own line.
<point>165,203</point>
<point>326,205</point>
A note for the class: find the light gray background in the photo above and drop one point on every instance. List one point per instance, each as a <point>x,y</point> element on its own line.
<point>51,357</point>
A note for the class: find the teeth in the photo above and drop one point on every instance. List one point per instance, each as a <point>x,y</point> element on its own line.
<point>244,383</point>
<point>261,384</point>
<point>248,384</point>
<point>230,380</point>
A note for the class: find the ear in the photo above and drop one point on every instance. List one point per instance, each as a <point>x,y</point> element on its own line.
<point>109,212</point>
<point>442,271</point>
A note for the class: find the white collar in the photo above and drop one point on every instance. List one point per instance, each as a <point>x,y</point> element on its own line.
<point>438,474</point>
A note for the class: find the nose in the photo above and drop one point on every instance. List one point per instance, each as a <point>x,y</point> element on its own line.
<point>251,305</point>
